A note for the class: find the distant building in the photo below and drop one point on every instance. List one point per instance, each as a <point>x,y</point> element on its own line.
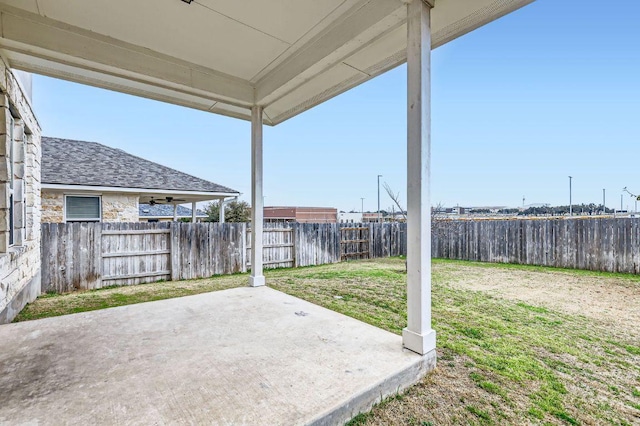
<point>301,214</point>
<point>372,217</point>
<point>349,217</point>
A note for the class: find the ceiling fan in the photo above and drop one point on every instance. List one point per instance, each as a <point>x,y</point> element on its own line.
<point>166,200</point>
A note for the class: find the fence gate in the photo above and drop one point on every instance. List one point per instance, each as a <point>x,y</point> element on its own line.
<point>278,248</point>
<point>135,256</point>
<point>354,243</point>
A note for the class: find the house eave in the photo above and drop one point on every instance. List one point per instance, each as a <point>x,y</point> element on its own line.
<point>204,195</point>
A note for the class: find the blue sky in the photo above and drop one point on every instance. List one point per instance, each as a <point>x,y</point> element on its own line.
<point>549,91</point>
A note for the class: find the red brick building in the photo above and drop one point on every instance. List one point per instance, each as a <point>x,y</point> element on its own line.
<point>301,214</point>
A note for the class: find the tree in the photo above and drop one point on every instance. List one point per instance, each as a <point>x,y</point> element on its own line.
<point>395,197</point>
<point>212,211</point>
<point>235,211</point>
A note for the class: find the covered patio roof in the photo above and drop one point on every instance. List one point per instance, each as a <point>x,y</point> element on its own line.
<point>226,56</point>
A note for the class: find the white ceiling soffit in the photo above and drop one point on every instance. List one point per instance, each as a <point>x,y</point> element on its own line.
<point>224,56</point>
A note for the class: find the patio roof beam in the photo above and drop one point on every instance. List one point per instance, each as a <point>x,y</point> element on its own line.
<point>418,336</point>
<point>354,32</point>
<point>256,279</point>
<point>33,35</point>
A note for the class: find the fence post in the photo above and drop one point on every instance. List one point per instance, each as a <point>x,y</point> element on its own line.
<point>243,244</point>
<point>97,253</point>
<point>174,246</point>
<point>371,241</point>
<point>294,238</point>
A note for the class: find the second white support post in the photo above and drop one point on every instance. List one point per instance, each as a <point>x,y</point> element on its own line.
<point>194,212</point>
<point>418,335</point>
<point>256,278</point>
<point>221,212</point>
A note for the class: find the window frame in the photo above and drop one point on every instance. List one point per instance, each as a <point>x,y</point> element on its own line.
<point>64,208</point>
<point>12,178</point>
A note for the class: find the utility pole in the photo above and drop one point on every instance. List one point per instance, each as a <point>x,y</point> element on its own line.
<point>621,202</point>
<point>361,209</point>
<point>523,201</point>
<point>570,204</point>
<point>379,217</point>
<point>604,205</point>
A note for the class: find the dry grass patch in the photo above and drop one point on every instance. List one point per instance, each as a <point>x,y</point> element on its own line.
<point>608,298</point>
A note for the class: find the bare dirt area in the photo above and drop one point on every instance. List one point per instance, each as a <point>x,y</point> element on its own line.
<point>611,299</point>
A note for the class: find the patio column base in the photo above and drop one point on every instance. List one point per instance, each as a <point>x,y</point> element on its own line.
<point>258,281</point>
<point>419,343</point>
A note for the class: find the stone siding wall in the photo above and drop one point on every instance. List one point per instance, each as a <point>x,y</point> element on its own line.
<point>52,207</point>
<point>20,153</point>
<point>120,208</point>
<point>115,207</point>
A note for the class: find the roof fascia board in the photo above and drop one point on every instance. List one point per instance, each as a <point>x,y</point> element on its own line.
<point>52,40</point>
<point>116,189</point>
<point>335,43</point>
<point>483,16</point>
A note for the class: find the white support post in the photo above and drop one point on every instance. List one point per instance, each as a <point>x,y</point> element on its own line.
<point>418,335</point>
<point>193,212</point>
<point>175,212</point>
<point>257,201</point>
<point>221,212</point>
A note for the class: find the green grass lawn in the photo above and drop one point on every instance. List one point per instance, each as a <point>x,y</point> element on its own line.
<point>500,361</point>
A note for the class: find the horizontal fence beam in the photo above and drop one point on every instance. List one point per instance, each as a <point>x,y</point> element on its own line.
<point>139,275</point>
<point>274,246</point>
<point>136,232</point>
<point>136,253</point>
<point>273,262</point>
<point>289,230</point>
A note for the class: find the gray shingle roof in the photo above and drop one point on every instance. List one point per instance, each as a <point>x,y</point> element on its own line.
<point>166,210</point>
<point>70,162</point>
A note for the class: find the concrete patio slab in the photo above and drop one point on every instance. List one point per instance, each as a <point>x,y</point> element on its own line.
<point>246,356</point>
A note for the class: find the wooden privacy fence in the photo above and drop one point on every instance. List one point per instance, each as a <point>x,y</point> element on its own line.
<point>609,244</point>
<point>93,255</point>
<point>83,256</point>
<point>278,247</point>
<point>354,242</point>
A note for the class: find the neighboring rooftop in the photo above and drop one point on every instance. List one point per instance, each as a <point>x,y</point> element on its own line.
<point>72,162</point>
<point>166,210</point>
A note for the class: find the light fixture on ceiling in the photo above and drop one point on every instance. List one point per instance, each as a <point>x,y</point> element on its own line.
<point>187,1</point>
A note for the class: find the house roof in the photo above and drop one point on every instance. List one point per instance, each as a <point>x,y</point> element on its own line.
<point>225,56</point>
<point>166,210</point>
<point>71,162</point>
